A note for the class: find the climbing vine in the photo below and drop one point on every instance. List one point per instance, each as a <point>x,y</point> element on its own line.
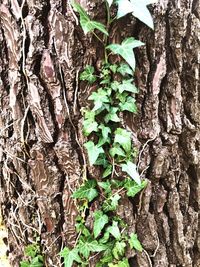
<point>109,144</point>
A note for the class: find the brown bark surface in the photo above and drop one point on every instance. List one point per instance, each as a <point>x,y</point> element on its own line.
<point>42,52</point>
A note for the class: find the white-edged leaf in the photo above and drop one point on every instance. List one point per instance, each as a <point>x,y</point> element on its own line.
<point>130,169</point>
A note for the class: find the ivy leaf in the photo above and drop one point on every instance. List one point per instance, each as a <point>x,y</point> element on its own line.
<point>37,262</point>
<point>114,230</point>
<point>112,116</point>
<point>90,125</point>
<point>128,86</point>
<point>133,188</point>
<point>70,256</point>
<point>138,8</point>
<point>87,24</point>
<point>111,204</point>
<point>124,69</point>
<point>141,11</point>
<point>125,50</point>
<point>123,263</point>
<point>100,220</point>
<point>124,7</point>
<point>99,98</point>
<point>93,151</point>
<point>105,131</point>
<point>109,2</point>
<point>87,191</point>
<point>88,245</point>
<point>135,243</point>
<point>116,150</point>
<point>88,74</point>
<point>129,105</point>
<point>123,137</point>
<point>107,171</point>
<point>106,186</point>
<point>32,250</point>
<point>130,168</point>
<point>119,249</point>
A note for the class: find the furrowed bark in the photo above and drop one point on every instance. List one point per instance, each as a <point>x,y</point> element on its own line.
<point>41,144</point>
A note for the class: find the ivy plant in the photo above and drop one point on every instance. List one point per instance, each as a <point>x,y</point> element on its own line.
<point>109,145</point>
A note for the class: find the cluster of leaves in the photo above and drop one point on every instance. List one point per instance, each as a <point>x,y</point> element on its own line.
<point>109,146</point>
<point>35,259</point>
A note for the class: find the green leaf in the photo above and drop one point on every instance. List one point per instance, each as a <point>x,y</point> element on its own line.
<point>105,131</point>
<point>88,74</point>
<point>138,8</point>
<point>24,264</point>
<point>129,105</point>
<point>37,262</point>
<point>111,204</point>
<point>70,256</point>
<point>133,188</point>
<point>125,50</point>
<point>106,186</point>
<point>119,249</point>
<point>130,168</point>
<point>135,243</point>
<point>93,151</point>
<point>123,263</point>
<point>89,125</point>
<point>114,230</point>
<point>88,245</point>
<point>124,69</point>
<point>99,98</point>
<point>141,11</point>
<point>112,116</point>
<point>87,24</point>
<point>123,138</point>
<point>128,86</point>
<point>107,171</point>
<point>32,250</point>
<point>116,150</point>
<point>87,191</point>
<point>100,220</point>
<point>114,68</point>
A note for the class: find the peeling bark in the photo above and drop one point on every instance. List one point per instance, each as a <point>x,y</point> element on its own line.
<point>41,145</point>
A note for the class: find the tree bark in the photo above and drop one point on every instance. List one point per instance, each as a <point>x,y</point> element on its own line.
<point>42,159</point>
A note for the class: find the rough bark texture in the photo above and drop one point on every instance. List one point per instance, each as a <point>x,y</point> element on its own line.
<point>41,153</point>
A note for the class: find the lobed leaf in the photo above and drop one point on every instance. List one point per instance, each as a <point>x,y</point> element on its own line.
<point>123,138</point>
<point>125,50</point>
<point>70,256</point>
<point>87,191</point>
<point>93,151</point>
<point>100,220</point>
<point>135,243</point>
<point>88,74</point>
<point>130,168</point>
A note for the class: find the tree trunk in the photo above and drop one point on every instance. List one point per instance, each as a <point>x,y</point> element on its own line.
<point>41,143</point>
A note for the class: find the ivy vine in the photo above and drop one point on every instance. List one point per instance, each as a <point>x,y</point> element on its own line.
<point>109,145</point>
